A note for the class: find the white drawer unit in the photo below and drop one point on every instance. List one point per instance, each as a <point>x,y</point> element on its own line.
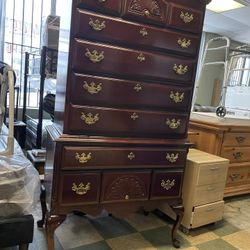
<point>203,189</point>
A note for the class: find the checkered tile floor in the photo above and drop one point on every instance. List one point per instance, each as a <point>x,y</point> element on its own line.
<point>139,232</point>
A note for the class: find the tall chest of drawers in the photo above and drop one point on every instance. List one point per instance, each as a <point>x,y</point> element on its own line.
<point>125,82</point>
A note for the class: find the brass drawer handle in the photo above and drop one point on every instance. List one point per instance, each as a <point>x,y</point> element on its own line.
<point>131,156</point>
<point>89,118</point>
<point>94,56</point>
<point>184,43</point>
<point>237,155</point>
<point>167,184</point>
<point>240,139</point>
<point>141,58</point>
<point>234,177</point>
<point>186,17</point>
<point>173,124</point>
<point>143,32</point>
<point>180,69</point>
<point>146,12</point>
<point>81,189</point>
<point>176,97</point>
<point>97,25</point>
<point>172,157</point>
<point>92,88</point>
<point>210,189</point>
<point>138,87</point>
<point>134,116</point>
<point>83,158</point>
<point>126,197</point>
<point>214,169</point>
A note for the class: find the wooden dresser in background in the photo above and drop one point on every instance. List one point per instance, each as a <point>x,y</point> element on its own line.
<point>228,138</point>
<point>126,71</point>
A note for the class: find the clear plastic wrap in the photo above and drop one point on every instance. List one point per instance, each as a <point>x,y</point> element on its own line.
<point>19,182</point>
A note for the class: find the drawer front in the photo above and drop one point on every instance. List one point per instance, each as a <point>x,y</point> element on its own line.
<point>146,11</point>
<point>206,214</point>
<point>166,184</point>
<point>102,28</point>
<point>80,187</point>
<point>114,157</point>
<point>237,175</point>
<point>109,6</point>
<point>209,193</point>
<point>94,58</point>
<point>212,173</point>
<point>125,186</point>
<point>85,89</point>
<point>185,18</point>
<point>93,120</point>
<point>236,154</point>
<point>236,139</point>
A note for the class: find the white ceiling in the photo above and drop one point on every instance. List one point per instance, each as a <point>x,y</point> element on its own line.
<point>234,23</point>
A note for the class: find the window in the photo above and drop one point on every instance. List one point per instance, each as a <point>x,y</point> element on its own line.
<point>23,33</point>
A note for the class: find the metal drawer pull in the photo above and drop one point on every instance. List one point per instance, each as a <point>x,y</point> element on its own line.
<point>143,32</point>
<point>210,188</point>
<point>176,97</point>
<point>237,155</point>
<point>83,158</point>
<point>146,13</point>
<point>172,158</point>
<point>180,69</point>
<point>186,17</point>
<point>89,118</point>
<point>233,177</point>
<point>101,1</point>
<point>141,58</point>
<point>173,124</point>
<point>81,189</point>
<point>167,184</point>
<point>184,43</point>
<point>138,87</point>
<point>214,169</point>
<point>126,197</point>
<point>97,25</point>
<point>134,116</point>
<point>131,156</point>
<point>240,139</point>
<point>94,56</point>
<point>92,88</point>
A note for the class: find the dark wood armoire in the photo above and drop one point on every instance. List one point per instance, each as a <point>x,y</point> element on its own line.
<point>126,73</point>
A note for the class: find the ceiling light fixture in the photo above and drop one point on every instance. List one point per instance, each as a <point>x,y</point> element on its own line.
<point>224,5</point>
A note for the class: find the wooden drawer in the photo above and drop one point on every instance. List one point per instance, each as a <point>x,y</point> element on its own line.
<point>184,18</point>
<point>115,157</point>
<point>166,184</point>
<point>206,214</point>
<point>107,29</point>
<point>118,122</point>
<point>79,187</point>
<point>236,154</point>
<point>109,6</point>
<point>212,173</point>
<point>237,175</point>
<point>86,89</point>
<point>98,58</point>
<point>236,139</point>
<point>209,193</point>
<point>125,186</point>
<point>146,11</point>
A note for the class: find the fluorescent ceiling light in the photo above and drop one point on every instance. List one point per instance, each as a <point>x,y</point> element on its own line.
<point>224,5</point>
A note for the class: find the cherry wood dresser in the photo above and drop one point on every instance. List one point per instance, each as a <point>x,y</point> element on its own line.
<point>125,81</point>
<point>228,138</point>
